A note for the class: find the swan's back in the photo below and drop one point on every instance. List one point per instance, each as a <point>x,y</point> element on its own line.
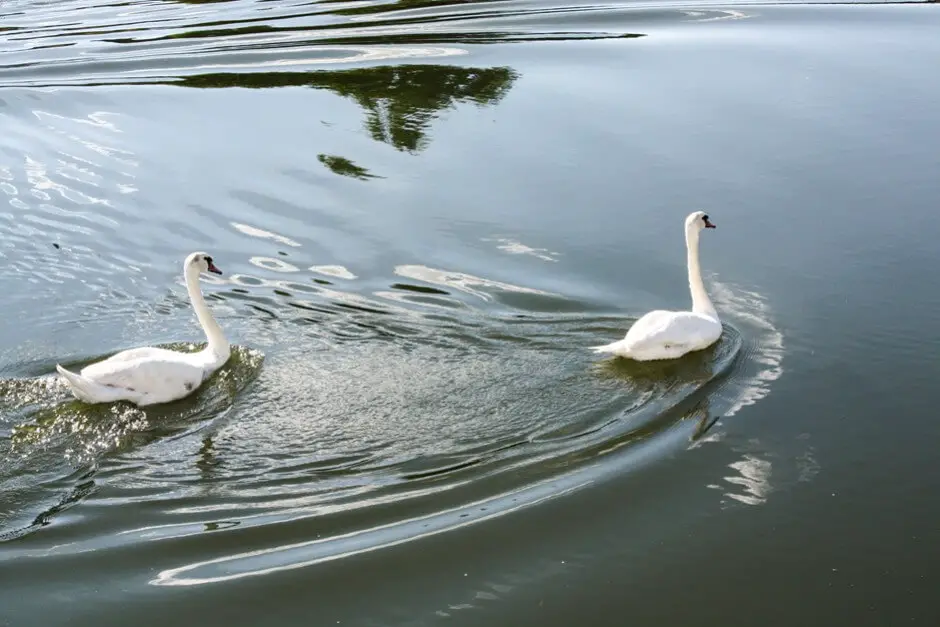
<point>132,354</point>
<point>669,332</point>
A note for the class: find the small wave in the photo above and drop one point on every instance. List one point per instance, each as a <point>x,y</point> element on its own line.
<point>68,166</point>
<point>514,247</point>
<point>308,553</point>
<point>263,234</point>
<point>764,348</point>
<point>753,477</point>
<point>55,437</point>
<point>760,468</point>
<point>460,281</point>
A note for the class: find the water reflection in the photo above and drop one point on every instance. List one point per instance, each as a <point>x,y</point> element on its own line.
<point>515,247</point>
<point>254,231</point>
<point>332,547</point>
<point>344,167</point>
<point>460,281</point>
<point>337,272</point>
<point>400,101</point>
<point>397,5</point>
<point>766,349</point>
<point>753,477</point>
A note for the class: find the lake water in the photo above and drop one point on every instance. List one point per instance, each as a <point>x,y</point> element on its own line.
<point>425,213</point>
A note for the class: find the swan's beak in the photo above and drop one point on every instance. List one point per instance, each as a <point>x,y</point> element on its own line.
<point>708,225</point>
<point>213,269</point>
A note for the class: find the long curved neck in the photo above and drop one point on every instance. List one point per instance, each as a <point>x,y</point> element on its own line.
<point>218,345</point>
<point>700,302</point>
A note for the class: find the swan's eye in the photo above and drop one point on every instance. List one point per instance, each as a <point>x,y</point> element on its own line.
<point>705,218</point>
<point>209,259</point>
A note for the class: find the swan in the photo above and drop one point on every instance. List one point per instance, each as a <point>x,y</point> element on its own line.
<point>671,334</point>
<point>150,375</point>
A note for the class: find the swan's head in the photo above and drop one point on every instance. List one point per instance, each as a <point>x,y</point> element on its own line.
<point>201,262</point>
<point>697,221</point>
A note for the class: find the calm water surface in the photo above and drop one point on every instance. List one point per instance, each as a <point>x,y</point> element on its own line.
<point>426,212</point>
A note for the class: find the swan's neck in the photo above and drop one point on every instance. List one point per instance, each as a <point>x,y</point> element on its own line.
<point>218,345</point>
<point>700,302</point>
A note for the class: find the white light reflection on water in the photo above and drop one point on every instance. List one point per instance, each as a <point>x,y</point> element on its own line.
<point>303,554</point>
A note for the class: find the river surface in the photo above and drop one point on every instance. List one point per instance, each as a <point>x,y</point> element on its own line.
<point>426,212</point>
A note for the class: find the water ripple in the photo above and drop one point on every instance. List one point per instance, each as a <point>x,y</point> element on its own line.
<point>151,42</point>
<point>406,393</point>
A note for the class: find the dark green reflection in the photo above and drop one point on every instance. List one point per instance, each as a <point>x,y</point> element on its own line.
<point>400,101</point>
<point>345,167</point>
<point>397,5</point>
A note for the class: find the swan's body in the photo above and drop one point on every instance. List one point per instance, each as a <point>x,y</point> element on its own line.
<point>150,375</point>
<point>671,334</point>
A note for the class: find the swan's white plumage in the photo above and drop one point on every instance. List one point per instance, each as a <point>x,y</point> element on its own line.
<point>664,334</point>
<point>151,375</point>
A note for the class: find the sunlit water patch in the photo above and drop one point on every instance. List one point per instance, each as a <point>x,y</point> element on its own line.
<point>441,386</point>
<point>496,407</point>
<point>489,428</point>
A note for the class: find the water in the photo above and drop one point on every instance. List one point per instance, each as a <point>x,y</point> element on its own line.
<point>425,213</point>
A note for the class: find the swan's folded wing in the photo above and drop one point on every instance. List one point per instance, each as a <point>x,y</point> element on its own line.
<point>144,352</point>
<point>681,328</point>
<point>145,375</point>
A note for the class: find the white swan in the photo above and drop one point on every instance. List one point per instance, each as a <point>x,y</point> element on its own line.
<point>150,375</point>
<point>671,334</point>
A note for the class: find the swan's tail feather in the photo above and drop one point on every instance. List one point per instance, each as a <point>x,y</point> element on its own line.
<point>617,348</point>
<point>86,390</point>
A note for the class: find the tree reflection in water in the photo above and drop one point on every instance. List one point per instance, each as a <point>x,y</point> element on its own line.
<point>400,101</point>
